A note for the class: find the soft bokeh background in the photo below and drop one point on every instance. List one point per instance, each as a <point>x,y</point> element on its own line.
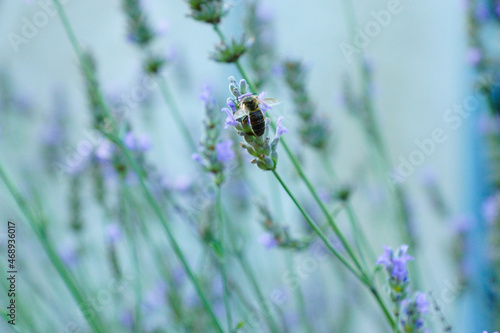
<point>420,71</point>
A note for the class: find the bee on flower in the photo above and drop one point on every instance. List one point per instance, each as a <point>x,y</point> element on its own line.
<point>247,114</point>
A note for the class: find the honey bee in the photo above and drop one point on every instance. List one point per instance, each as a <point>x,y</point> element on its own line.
<point>250,109</point>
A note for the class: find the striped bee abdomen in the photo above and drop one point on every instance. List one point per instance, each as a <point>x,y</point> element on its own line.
<point>258,122</point>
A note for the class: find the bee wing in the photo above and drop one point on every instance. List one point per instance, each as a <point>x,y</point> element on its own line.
<point>242,112</point>
<point>271,101</point>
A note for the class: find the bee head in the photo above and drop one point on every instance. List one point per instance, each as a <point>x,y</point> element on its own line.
<point>251,102</point>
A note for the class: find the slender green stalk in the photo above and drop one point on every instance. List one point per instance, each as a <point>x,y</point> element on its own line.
<point>177,250</point>
<point>260,295</point>
<point>299,297</point>
<point>361,276</point>
<point>95,323</point>
<point>176,114</point>
<point>129,227</point>
<point>140,174</point>
<point>318,231</point>
<point>247,269</point>
<point>222,260</point>
<point>376,140</point>
<point>359,236</point>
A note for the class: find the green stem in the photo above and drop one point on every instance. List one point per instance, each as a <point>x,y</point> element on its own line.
<point>222,260</point>
<point>318,231</point>
<point>129,228</point>
<point>376,139</point>
<point>361,276</point>
<point>299,297</point>
<point>181,124</point>
<point>175,246</point>
<point>96,323</point>
<point>140,174</point>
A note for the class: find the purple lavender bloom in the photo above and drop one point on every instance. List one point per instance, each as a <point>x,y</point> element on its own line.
<point>482,12</point>
<point>386,258</point>
<point>474,56</point>
<point>231,104</point>
<point>155,298</point>
<point>414,310</point>
<point>143,143</point>
<point>163,27</point>
<point>113,232</point>
<point>429,177</point>
<point>396,264</point>
<point>69,255</point>
<point>461,223</point>
<point>267,240</point>
<point>224,151</point>
<point>104,151</point>
<point>197,158</point>
<point>206,95</point>
<point>129,141</point>
<point>422,303</point>
<point>490,209</point>
<point>265,12</point>
<point>126,319</point>
<point>230,118</point>
<point>280,129</point>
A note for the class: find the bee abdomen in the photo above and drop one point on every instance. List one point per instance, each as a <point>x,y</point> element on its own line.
<point>258,122</point>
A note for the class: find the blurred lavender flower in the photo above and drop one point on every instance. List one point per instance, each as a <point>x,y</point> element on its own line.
<point>261,54</point>
<point>140,143</point>
<point>138,28</point>
<point>490,209</point>
<point>54,135</point>
<point>156,297</point>
<point>127,319</point>
<point>232,51</point>
<point>267,240</point>
<point>208,11</point>
<point>482,12</point>
<point>113,232</point>
<point>214,154</point>
<point>69,255</point>
<point>224,151</point>
<point>395,265</point>
<point>276,235</point>
<point>413,311</point>
<point>314,129</point>
<point>266,156</point>
<point>474,56</point>
<point>104,151</point>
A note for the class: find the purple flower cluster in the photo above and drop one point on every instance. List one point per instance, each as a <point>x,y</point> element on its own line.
<point>214,154</point>
<point>413,311</point>
<point>396,263</point>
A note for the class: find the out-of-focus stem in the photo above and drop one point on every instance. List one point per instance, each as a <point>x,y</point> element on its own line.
<point>176,114</point>
<point>361,276</point>
<point>222,260</point>
<point>140,174</point>
<point>95,323</point>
